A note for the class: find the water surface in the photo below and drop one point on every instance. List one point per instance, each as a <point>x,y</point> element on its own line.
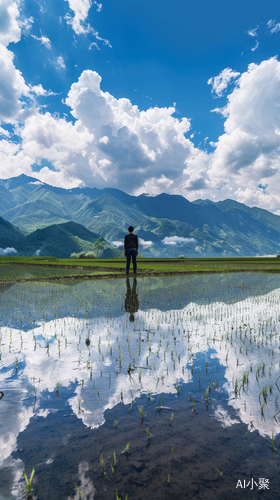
<point>78,361</point>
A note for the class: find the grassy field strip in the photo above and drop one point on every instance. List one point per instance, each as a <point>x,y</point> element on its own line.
<point>234,261</point>
<point>17,272</point>
<point>47,268</point>
<point>62,265</point>
<point>191,264</point>
<point>150,267</point>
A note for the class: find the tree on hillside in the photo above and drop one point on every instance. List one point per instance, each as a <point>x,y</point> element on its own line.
<point>83,255</point>
<point>99,245</point>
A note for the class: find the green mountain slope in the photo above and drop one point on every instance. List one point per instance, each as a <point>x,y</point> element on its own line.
<point>60,240</point>
<point>42,208</point>
<point>208,228</point>
<point>6,199</point>
<point>9,235</point>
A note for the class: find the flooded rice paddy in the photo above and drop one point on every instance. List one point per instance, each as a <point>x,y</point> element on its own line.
<point>156,388</point>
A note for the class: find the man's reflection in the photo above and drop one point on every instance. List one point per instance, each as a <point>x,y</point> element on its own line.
<point>131,299</point>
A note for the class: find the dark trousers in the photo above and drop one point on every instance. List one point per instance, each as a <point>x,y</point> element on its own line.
<point>131,252</point>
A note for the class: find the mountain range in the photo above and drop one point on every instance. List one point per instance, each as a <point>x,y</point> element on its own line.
<point>58,240</point>
<point>51,218</point>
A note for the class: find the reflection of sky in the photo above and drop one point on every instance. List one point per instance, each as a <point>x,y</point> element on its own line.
<point>239,337</point>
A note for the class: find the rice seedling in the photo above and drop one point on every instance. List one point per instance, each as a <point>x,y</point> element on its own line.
<point>141,412</point>
<point>219,474</point>
<point>101,460</point>
<point>28,482</point>
<point>114,465</point>
<point>236,388</point>
<point>172,454</point>
<point>119,498</point>
<point>130,369</point>
<point>57,389</point>
<point>150,398</point>
<point>272,443</point>
<point>148,433</point>
<point>264,394</point>
<point>207,392</point>
<point>274,416</point>
<point>245,380</point>
<point>126,450</point>
<point>79,492</point>
<point>171,418</point>
<point>168,478</point>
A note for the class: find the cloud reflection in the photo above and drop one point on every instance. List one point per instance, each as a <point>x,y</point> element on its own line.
<point>107,360</point>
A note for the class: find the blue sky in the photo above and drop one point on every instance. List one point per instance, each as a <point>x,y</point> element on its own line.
<point>122,94</point>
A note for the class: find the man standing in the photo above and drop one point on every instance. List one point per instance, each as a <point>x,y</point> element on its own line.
<point>131,249</point>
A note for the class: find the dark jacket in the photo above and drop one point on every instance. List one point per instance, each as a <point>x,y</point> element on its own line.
<point>131,241</point>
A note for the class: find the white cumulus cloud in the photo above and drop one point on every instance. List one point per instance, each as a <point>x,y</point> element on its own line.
<point>59,63</point>
<point>253,32</point>
<point>144,243</point>
<point>141,144</point>
<point>9,22</point>
<point>112,142</point>
<point>247,154</point>
<point>4,132</point>
<point>16,97</point>
<point>54,139</point>
<point>12,87</point>
<point>98,6</point>
<point>80,9</point>
<point>177,240</point>
<point>220,83</point>
<point>78,22</point>
<point>117,243</point>
<point>44,41</point>
<point>255,46</point>
<point>273,26</point>
<point>8,251</point>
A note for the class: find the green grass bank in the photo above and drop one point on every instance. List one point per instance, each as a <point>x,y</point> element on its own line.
<point>45,268</point>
